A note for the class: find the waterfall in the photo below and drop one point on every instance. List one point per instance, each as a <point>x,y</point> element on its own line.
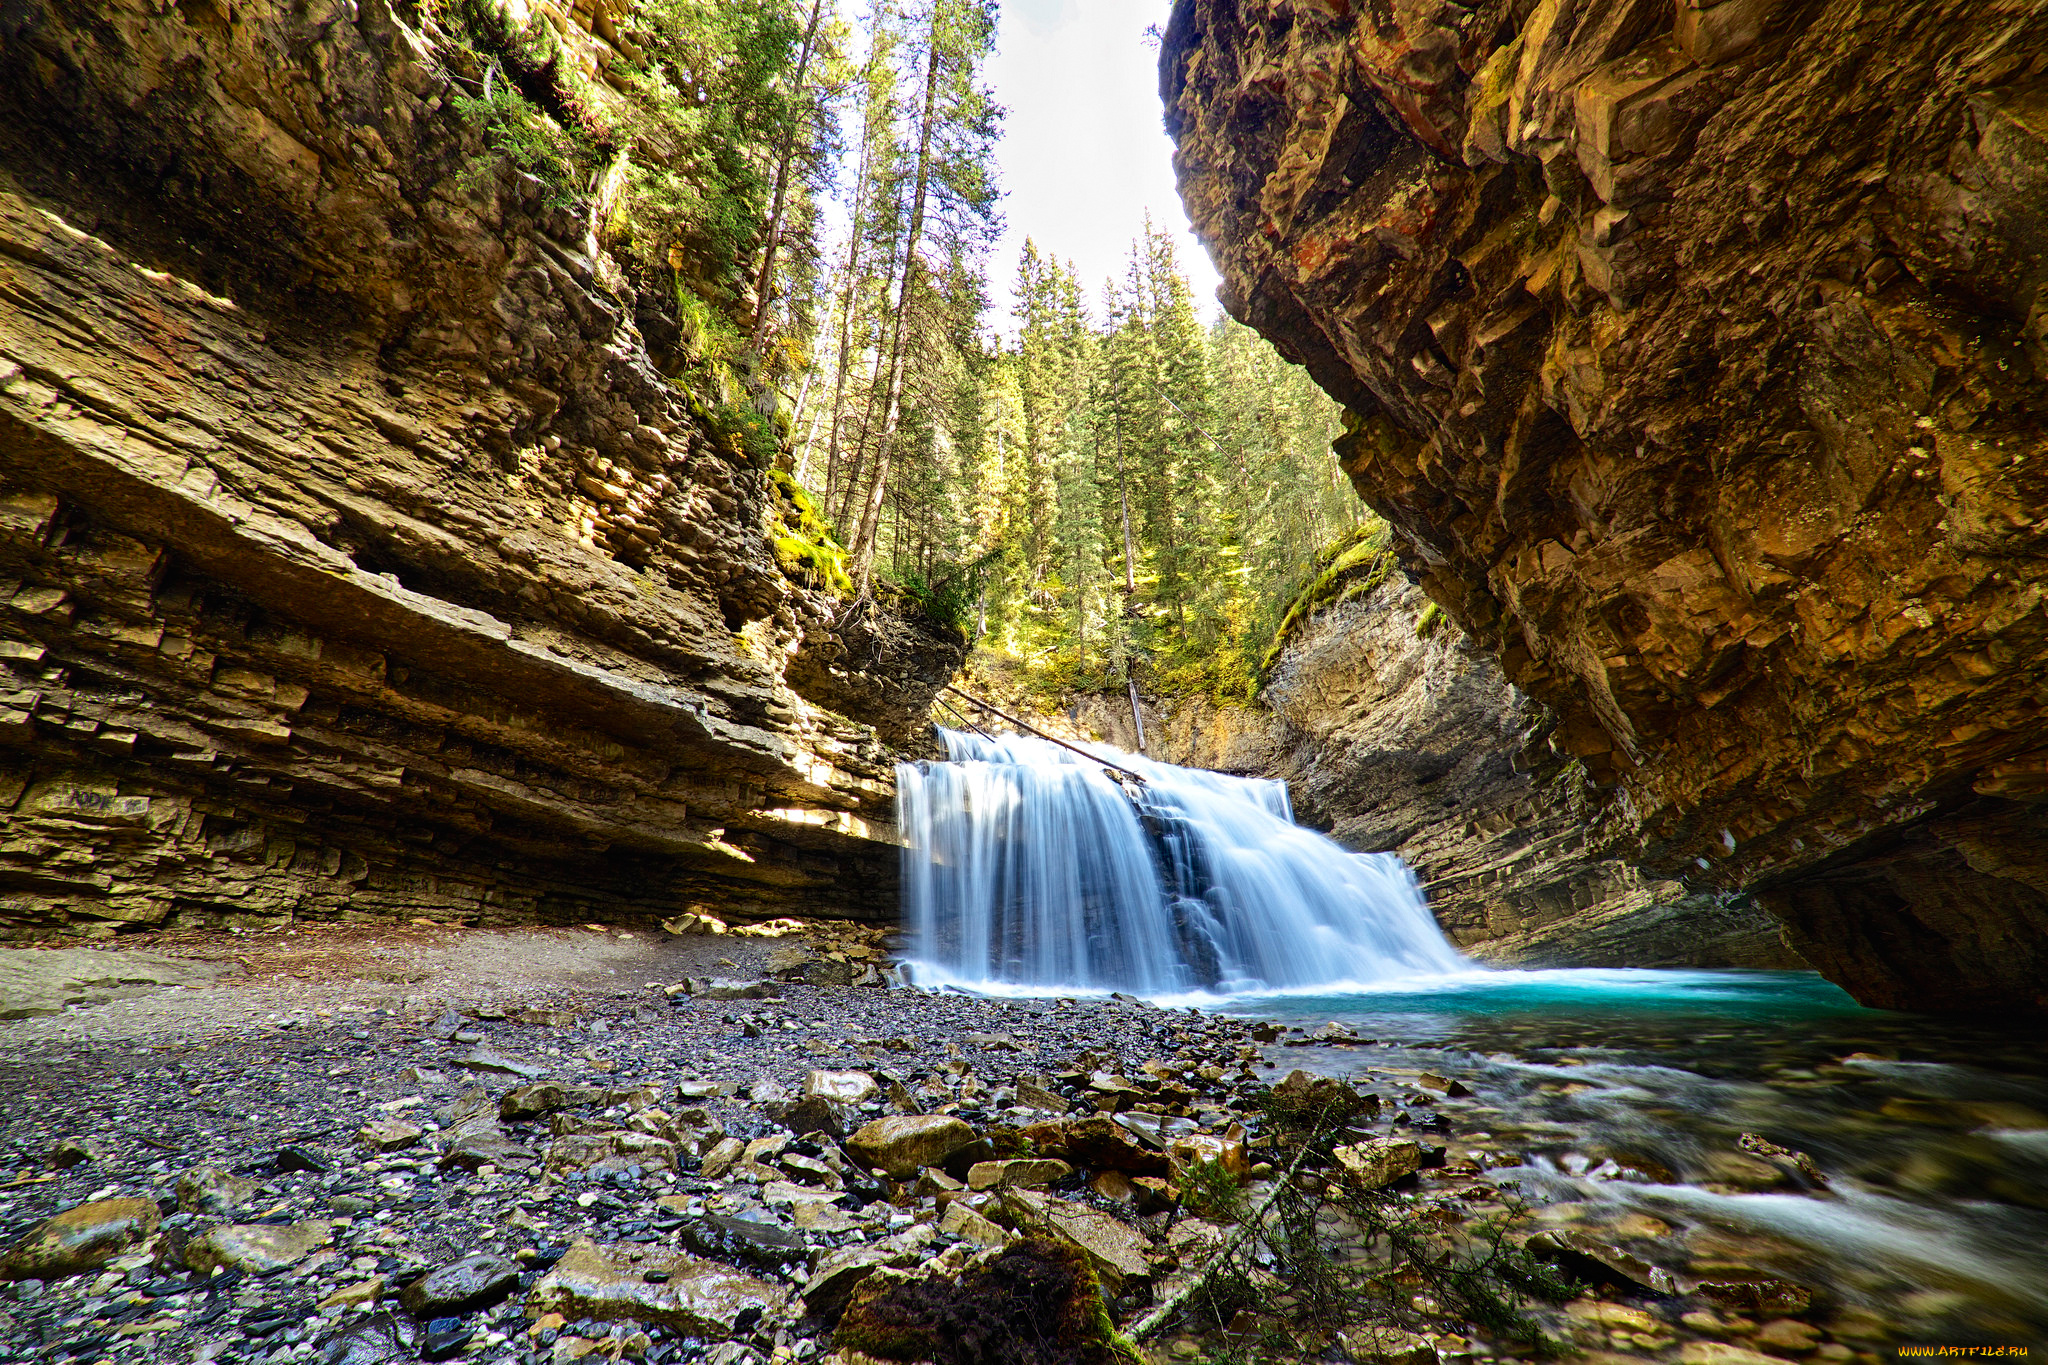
<point>1028,866</point>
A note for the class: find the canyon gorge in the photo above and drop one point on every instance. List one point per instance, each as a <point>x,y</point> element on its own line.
<point>531,541</point>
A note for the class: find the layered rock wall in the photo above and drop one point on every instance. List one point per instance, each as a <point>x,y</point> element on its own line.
<point>1696,353</point>
<point>355,557</point>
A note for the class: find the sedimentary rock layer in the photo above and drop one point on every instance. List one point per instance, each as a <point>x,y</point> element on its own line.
<point>1696,354</point>
<point>355,558</point>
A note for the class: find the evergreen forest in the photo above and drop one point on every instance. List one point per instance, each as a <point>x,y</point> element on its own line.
<point>1092,481</point>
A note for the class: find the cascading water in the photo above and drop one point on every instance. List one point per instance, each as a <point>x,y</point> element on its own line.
<point>1029,866</point>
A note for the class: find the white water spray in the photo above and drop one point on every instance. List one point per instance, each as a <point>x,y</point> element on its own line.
<point>1027,866</point>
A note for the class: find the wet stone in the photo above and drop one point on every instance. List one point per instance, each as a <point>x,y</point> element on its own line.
<point>838,1274</point>
<point>299,1158</point>
<point>473,1282</point>
<point>723,988</point>
<point>902,1144</point>
<point>844,1087</point>
<point>211,1190</point>
<point>1114,1248</point>
<point>486,1060</point>
<point>990,1175</point>
<point>68,1152</point>
<point>532,1101</point>
<point>1721,1353</point>
<point>1379,1162</point>
<point>445,1344</point>
<point>813,1114</point>
<point>745,1241</point>
<point>389,1135</point>
<point>1207,1149</point>
<point>1761,1295</point>
<point>366,1291</point>
<point>961,1221</point>
<point>1788,1334</point>
<point>1033,1095</point>
<point>723,1156</point>
<point>257,1248</point>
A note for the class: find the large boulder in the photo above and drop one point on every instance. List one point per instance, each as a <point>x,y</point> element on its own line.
<point>81,1238</point>
<point>903,1144</point>
<point>692,1296</point>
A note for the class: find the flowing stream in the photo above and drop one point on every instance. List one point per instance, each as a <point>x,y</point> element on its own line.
<point>1614,1102</point>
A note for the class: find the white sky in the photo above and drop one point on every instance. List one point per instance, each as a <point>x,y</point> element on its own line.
<point>1084,153</point>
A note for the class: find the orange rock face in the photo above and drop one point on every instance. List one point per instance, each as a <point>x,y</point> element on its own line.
<point>1697,355</point>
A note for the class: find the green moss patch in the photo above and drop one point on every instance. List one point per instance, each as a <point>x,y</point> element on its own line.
<point>805,547</point>
<point>1349,567</point>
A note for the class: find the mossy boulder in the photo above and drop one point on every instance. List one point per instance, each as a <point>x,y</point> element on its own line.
<point>79,1239</point>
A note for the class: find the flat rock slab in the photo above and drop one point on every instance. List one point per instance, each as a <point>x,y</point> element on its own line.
<point>1378,1162</point>
<point>258,1248</point>
<point>472,1282</point>
<point>213,1190</point>
<point>695,1296</point>
<point>39,984</point>
<point>1113,1247</point>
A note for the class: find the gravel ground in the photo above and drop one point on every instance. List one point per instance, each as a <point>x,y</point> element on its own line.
<point>326,1031</point>
<point>374,1143</point>
<point>343,971</point>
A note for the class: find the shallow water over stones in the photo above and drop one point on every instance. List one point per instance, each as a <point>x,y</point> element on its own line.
<point>1721,1127</point>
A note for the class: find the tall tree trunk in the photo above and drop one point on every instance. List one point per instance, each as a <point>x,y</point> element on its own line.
<point>767,276</point>
<point>856,473</point>
<point>1116,417</point>
<point>863,547</point>
<point>847,293</point>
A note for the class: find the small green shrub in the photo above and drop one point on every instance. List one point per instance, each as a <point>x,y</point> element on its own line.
<point>947,594</point>
<point>525,137</point>
<point>1210,1189</point>
<point>1426,624</point>
<point>748,432</point>
<point>529,108</point>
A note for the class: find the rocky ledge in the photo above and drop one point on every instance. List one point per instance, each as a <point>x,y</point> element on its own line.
<point>356,556</point>
<point>1696,354</point>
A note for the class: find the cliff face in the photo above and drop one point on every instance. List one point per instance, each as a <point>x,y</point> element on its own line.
<point>1398,737</point>
<point>1696,354</point>
<point>355,556</point>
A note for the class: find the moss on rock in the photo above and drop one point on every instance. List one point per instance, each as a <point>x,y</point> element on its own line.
<point>1348,567</point>
<point>804,544</point>
<point>1038,1303</point>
